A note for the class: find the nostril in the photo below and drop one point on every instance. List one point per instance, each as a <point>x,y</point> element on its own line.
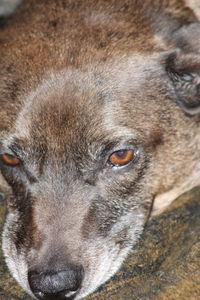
<point>58,285</point>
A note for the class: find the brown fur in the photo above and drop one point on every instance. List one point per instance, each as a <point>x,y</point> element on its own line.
<point>80,80</point>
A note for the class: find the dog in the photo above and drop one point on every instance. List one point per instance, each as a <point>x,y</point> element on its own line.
<point>99,131</point>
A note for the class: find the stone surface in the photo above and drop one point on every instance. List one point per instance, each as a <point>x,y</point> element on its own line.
<point>165,265</point>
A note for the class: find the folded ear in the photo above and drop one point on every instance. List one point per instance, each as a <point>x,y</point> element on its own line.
<point>184,73</point>
<point>187,37</point>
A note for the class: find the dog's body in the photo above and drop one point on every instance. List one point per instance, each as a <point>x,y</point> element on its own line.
<point>79,82</point>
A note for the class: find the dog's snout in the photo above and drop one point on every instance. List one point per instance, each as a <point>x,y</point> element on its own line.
<point>59,285</point>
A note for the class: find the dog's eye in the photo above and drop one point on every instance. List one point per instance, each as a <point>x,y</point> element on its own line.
<point>121,158</point>
<point>10,160</point>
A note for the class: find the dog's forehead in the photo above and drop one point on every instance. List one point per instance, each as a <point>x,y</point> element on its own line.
<point>63,108</point>
<point>73,105</point>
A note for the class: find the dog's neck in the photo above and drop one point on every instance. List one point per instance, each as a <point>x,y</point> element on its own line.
<point>190,181</point>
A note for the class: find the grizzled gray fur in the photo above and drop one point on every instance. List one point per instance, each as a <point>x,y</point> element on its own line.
<point>99,130</point>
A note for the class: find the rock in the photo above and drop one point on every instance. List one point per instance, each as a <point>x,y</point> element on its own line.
<point>164,265</point>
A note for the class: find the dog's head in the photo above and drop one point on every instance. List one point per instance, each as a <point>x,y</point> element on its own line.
<point>86,154</point>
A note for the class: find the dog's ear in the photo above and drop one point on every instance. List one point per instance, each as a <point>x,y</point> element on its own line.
<point>183,70</point>
<point>187,38</point>
<point>183,67</point>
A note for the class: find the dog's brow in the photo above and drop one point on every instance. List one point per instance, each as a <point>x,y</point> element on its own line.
<point>118,143</point>
<point>16,148</point>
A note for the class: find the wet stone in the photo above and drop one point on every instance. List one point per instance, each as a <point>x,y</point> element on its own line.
<point>165,264</point>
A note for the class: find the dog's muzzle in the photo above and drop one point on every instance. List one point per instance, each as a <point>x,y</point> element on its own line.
<point>59,284</point>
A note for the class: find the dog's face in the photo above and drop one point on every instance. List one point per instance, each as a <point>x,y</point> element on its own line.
<point>86,163</point>
<point>81,195</point>
<point>88,152</point>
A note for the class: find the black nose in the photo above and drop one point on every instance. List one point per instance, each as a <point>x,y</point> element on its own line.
<point>56,285</point>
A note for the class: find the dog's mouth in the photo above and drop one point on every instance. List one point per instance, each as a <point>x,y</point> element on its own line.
<point>59,272</point>
<point>62,295</point>
<point>73,282</point>
<point>68,282</point>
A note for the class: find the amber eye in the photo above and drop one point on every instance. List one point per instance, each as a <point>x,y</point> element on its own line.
<point>10,159</point>
<point>121,157</point>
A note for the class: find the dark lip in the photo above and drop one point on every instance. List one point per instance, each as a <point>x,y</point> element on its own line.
<point>39,296</point>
